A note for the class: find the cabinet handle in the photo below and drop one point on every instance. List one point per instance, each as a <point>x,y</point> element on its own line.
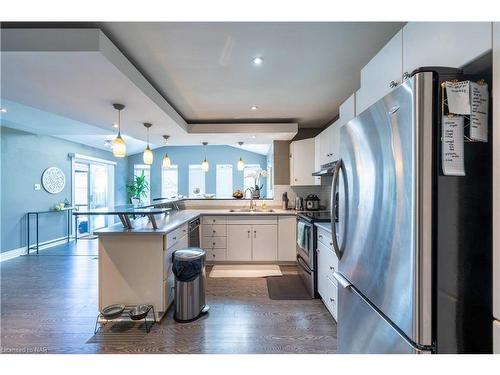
<point>213,220</point>
<point>248,234</point>
<point>174,238</point>
<point>295,179</point>
<point>213,255</point>
<point>393,84</point>
<point>213,231</point>
<point>254,234</point>
<point>320,236</point>
<point>332,299</point>
<point>331,243</point>
<point>332,268</point>
<point>213,243</point>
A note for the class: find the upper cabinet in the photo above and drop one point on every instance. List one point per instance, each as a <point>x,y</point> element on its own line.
<point>302,163</point>
<point>347,110</point>
<point>451,44</point>
<point>382,73</point>
<point>328,140</point>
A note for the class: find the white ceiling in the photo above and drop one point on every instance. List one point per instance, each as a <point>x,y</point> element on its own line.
<point>78,74</point>
<point>205,71</point>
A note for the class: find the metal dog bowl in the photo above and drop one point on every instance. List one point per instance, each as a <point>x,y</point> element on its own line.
<point>139,312</point>
<point>112,311</point>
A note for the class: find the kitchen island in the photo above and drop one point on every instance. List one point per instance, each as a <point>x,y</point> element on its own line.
<point>135,263</point>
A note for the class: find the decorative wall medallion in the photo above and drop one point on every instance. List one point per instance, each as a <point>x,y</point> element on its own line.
<point>53,180</point>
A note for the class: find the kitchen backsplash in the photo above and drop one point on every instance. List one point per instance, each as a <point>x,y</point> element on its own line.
<point>323,191</point>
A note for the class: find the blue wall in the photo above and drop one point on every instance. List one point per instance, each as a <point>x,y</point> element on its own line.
<point>182,156</point>
<point>24,156</point>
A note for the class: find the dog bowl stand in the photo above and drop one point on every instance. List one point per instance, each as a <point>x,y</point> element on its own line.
<point>125,314</point>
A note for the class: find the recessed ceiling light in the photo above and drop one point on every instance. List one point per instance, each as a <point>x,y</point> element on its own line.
<point>257,60</point>
<point>253,136</point>
<point>3,110</point>
<point>115,126</point>
<point>254,108</point>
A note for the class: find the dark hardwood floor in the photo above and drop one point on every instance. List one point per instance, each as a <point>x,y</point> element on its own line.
<point>49,305</point>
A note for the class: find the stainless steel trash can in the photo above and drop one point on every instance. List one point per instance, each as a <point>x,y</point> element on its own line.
<point>189,271</point>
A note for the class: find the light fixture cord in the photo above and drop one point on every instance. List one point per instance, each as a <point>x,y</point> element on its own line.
<point>119,121</point>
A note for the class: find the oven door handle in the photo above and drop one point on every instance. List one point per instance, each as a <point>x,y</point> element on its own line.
<point>303,265</point>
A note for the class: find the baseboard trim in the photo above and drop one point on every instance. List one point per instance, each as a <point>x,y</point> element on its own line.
<point>14,253</point>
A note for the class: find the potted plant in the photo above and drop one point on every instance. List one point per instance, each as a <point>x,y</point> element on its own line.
<point>138,189</point>
<point>256,181</point>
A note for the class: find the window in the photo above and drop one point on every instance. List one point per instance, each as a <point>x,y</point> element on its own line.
<point>169,182</point>
<point>138,169</point>
<point>249,172</point>
<point>224,181</point>
<point>196,181</point>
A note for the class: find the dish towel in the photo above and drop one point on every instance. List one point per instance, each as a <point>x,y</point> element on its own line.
<point>301,235</point>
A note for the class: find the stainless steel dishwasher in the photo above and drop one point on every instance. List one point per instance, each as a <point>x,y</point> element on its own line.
<point>194,233</point>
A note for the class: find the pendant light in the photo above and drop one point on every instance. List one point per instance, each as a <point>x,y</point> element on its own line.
<point>204,165</point>
<point>166,160</point>
<point>118,146</point>
<point>147,156</point>
<point>241,164</point>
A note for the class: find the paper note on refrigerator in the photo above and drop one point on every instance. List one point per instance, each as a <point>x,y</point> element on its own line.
<point>458,97</point>
<point>453,146</point>
<point>479,99</point>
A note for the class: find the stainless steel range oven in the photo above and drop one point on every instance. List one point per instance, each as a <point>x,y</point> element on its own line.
<point>306,247</point>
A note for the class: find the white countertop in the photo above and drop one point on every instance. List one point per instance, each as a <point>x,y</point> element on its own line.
<point>167,223</point>
<point>325,226</point>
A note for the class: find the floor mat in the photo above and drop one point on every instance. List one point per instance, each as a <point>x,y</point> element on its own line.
<point>119,333</point>
<point>288,287</point>
<point>245,270</point>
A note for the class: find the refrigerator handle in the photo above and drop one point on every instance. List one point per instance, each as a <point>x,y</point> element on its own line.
<point>339,167</point>
<point>343,282</point>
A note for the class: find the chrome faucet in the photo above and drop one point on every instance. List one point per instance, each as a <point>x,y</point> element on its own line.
<point>251,198</point>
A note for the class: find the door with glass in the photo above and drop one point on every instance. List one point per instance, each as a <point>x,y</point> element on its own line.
<point>98,193</point>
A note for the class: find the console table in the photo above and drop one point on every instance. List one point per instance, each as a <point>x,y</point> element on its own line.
<point>67,210</point>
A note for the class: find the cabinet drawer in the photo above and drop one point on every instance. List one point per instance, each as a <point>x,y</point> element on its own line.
<point>330,299</point>
<point>213,220</point>
<point>175,235</point>
<point>324,237</point>
<point>216,230</point>
<point>327,262</point>
<point>214,255</point>
<point>250,219</point>
<point>214,242</point>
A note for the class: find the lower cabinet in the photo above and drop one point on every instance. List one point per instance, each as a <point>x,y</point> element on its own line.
<point>239,242</point>
<point>327,265</point>
<point>265,242</point>
<point>247,238</point>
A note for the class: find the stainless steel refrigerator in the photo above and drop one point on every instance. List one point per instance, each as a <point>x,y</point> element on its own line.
<point>414,246</point>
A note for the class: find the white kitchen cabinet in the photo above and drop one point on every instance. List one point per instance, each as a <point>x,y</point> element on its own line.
<point>451,44</point>
<point>347,110</point>
<point>287,236</point>
<point>302,163</point>
<point>265,243</point>
<point>239,242</point>
<point>327,264</point>
<point>382,73</point>
<point>359,101</point>
<point>317,158</point>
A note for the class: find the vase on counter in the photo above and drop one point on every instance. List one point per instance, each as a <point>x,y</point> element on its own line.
<point>256,193</point>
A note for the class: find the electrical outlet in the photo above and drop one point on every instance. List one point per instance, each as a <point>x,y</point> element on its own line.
<point>38,187</point>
